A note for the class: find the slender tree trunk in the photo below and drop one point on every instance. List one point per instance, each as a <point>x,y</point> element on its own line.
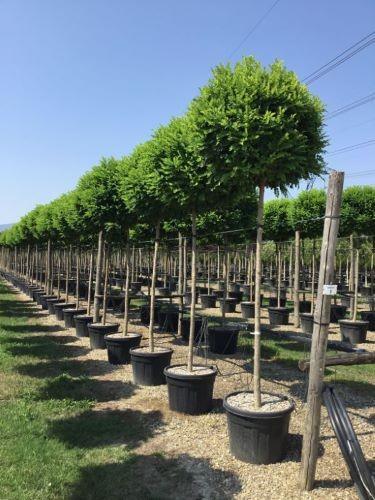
<point>278,275</point>
<point>356,279</point>
<point>296,279</point>
<point>180,282</point>
<point>153,285</point>
<point>193,289</point>
<point>78,263</point>
<point>90,282</point>
<point>106,272</point>
<point>352,264</point>
<point>257,315</point>
<point>127,278</point>
<point>185,265</point>
<point>98,277</point>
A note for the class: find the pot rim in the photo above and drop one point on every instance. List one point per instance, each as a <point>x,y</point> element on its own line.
<point>145,354</point>
<point>120,339</point>
<point>255,413</point>
<point>188,376</point>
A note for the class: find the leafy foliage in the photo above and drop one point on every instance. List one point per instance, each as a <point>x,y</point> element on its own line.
<point>357,211</point>
<point>307,212</point>
<point>277,224</point>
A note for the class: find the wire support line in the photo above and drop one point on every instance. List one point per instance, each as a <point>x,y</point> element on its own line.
<point>253,28</point>
<point>353,147</point>
<point>349,107</point>
<point>340,58</point>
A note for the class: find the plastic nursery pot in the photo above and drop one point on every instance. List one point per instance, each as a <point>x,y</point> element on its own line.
<point>70,313</point>
<point>353,331</point>
<point>257,437</point>
<point>168,319</point>
<point>51,304</point>
<point>148,367</point>
<point>163,291</point>
<point>32,289</point>
<point>228,304</point>
<point>223,339</point>
<point>235,295</point>
<point>97,332</point>
<point>365,291</point>
<point>190,393</point>
<point>272,301</point>
<point>185,329</point>
<point>234,287</point>
<point>248,309</point>
<point>218,293</point>
<point>304,306</point>
<point>203,290</point>
<point>346,300</point>
<point>187,299</point>
<point>59,308</point>
<point>145,313</point>
<point>307,322</point>
<point>208,301</point>
<point>118,347</point>
<point>136,286</point>
<point>337,312</point>
<point>37,294</point>
<point>81,323</point>
<point>370,317</point>
<point>43,300</point>
<point>278,315</point>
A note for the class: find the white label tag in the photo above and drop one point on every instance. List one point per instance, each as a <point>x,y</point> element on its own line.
<point>329,289</point>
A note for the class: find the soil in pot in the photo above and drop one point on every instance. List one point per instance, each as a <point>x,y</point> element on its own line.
<point>278,315</point>
<point>60,307</point>
<point>208,301</point>
<point>223,339</point>
<point>337,312</point>
<point>69,315</point>
<point>190,392</point>
<point>97,332</point>
<point>307,322</point>
<point>248,309</point>
<point>272,301</point>
<point>370,317</point>
<point>118,347</point>
<point>353,331</point>
<point>185,329</point>
<point>81,323</point>
<point>148,367</point>
<point>228,304</point>
<point>258,436</point>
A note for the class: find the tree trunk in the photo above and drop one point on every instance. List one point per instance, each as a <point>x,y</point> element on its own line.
<point>127,279</point>
<point>78,263</point>
<point>352,264</point>
<point>193,289</point>
<point>98,277</point>
<point>90,282</point>
<point>296,279</point>
<point>153,284</point>
<point>106,272</point>
<point>278,275</point>
<point>257,315</point>
<point>180,282</point>
<point>356,278</point>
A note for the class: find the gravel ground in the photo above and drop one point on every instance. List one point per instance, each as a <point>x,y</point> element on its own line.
<point>200,443</point>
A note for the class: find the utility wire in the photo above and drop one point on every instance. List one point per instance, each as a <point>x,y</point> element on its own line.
<point>253,28</point>
<point>340,58</point>
<point>353,147</point>
<point>348,107</point>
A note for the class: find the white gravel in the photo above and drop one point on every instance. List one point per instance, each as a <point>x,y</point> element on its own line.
<point>270,403</point>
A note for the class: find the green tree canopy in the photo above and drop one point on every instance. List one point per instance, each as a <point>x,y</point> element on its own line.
<point>277,226</point>
<point>307,212</point>
<point>357,211</point>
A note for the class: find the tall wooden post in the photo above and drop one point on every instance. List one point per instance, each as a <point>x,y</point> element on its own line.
<point>320,332</point>
<point>98,277</point>
<point>296,279</point>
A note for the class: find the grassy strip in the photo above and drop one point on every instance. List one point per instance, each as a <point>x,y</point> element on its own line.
<point>54,444</point>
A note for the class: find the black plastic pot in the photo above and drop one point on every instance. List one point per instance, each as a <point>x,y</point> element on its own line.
<point>353,331</point>
<point>51,304</point>
<point>346,300</point>
<point>168,319</point>
<point>304,306</point>
<point>223,339</point>
<point>136,286</point>
<point>337,313</point>
<point>81,323</point>
<point>203,290</point>
<point>185,329</point>
<point>163,291</point>
<point>118,347</point>
<point>228,304</point>
<point>187,298</point>
<point>190,393</point>
<point>234,287</point>
<point>148,367</point>
<point>145,313</point>
<point>60,307</point>
<point>36,292</point>
<point>39,296</point>
<point>97,332</point>
<point>218,293</point>
<point>248,309</point>
<point>43,300</point>
<point>278,315</point>
<point>69,315</point>
<point>272,301</point>
<point>208,301</point>
<point>235,295</point>
<point>256,437</point>
<point>307,322</point>
<point>370,317</point>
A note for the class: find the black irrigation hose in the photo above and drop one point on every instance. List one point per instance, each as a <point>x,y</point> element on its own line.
<point>359,470</point>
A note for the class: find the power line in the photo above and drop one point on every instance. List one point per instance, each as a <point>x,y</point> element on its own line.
<point>353,147</point>
<point>350,106</point>
<point>253,28</point>
<point>341,58</point>
<point>355,125</point>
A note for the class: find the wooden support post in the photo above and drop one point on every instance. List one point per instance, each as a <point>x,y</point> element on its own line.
<point>320,332</point>
<point>296,279</point>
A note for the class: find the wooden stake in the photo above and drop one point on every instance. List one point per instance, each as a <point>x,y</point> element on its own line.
<point>296,279</point>
<point>320,332</point>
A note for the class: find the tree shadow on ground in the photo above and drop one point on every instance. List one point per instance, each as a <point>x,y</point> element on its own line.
<point>47,350</point>
<point>84,388</point>
<point>28,328</point>
<point>152,477</point>
<point>72,367</point>
<point>97,428</point>
<point>294,449</point>
<point>40,339</point>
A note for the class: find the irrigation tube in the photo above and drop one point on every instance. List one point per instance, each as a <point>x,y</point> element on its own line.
<point>359,470</point>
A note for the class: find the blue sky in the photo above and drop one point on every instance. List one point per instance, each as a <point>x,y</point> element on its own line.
<point>82,79</point>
